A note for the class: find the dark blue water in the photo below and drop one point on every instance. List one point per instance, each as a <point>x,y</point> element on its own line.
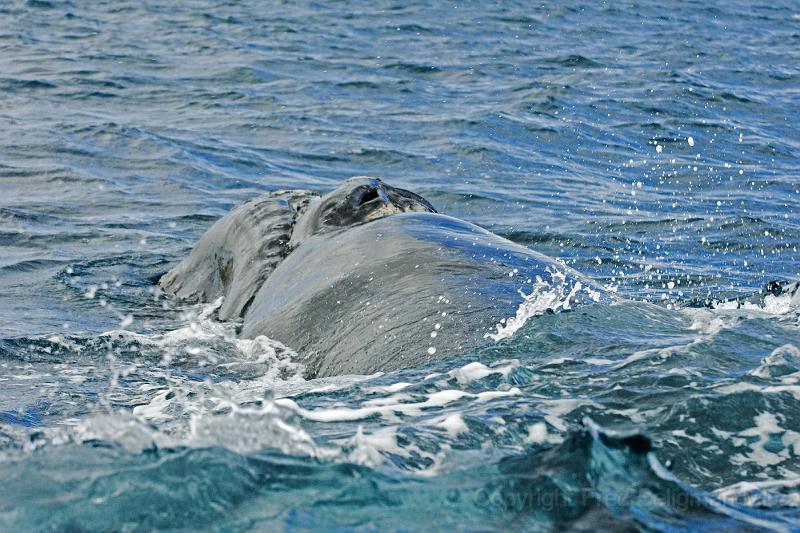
<point>653,147</point>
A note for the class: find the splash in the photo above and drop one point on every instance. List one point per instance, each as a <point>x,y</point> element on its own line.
<point>544,297</point>
<point>196,386</point>
<point>771,304</point>
<point>726,315</point>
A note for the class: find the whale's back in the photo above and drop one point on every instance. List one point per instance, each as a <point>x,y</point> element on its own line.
<point>396,291</point>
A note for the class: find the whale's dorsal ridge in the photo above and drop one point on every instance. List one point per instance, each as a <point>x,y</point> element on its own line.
<point>235,256</point>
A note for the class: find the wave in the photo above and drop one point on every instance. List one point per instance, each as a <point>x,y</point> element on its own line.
<point>593,479</point>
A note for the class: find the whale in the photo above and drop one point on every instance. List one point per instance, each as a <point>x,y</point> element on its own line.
<point>370,278</point>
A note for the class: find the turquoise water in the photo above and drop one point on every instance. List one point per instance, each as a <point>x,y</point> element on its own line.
<point>652,147</point>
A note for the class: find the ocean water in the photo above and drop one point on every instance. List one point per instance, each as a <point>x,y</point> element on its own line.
<point>652,146</point>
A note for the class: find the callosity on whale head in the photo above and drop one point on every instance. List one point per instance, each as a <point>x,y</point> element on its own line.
<point>357,200</point>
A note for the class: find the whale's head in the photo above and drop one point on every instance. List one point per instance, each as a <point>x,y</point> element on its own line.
<point>356,201</point>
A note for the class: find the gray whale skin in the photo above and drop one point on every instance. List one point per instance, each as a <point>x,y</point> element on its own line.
<point>367,278</point>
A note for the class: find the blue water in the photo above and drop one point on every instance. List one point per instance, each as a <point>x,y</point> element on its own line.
<point>654,147</point>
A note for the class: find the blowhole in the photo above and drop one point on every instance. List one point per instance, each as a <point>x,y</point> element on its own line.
<point>368,196</point>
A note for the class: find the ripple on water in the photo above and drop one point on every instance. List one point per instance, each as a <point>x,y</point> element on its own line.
<point>127,129</point>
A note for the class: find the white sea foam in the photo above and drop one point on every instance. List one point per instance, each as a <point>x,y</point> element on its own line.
<point>369,450</point>
<point>243,430</point>
<point>477,370</point>
<point>538,434</point>
<point>201,386</point>
<point>775,493</point>
<point>174,408</point>
<point>454,424</point>
<point>783,362</point>
<point>251,405</point>
<point>392,411</point>
<point>768,430</point>
<point>781,305</point>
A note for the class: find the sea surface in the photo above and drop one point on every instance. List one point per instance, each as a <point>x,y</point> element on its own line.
<point>653,146</point>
